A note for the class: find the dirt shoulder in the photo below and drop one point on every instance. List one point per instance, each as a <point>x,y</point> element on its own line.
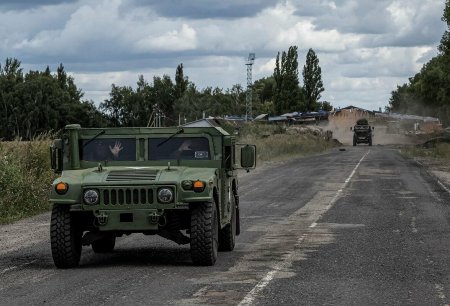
<point>24,233</point>
<point>437,168</point>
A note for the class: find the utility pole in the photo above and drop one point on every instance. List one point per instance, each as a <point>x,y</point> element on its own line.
<point>248,98</point>
<point>155,117</point>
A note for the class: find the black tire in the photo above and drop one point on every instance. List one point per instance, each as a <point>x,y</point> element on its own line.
<point>204,234</point>
<point>104,245</point>
<point>354,141</point>
<point>370,141</point>
<point>227,235</point>
<point>65,238</point>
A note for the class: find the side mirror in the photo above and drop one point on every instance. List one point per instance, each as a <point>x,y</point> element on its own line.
<point>56,157</point>
<point>248,157</point>
<point>373,128</point>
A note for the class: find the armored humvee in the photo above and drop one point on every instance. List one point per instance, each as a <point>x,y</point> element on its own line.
<point>179,183</point>
<point>362,132</point>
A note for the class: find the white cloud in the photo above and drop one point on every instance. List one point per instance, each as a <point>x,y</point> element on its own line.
<point>267,67</point>
<point>365,47</point>
<point>304,34</point>
<point>185,39</point>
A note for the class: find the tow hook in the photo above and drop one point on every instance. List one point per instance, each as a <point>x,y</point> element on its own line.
<point>102,218</point>
<point>153,216</point>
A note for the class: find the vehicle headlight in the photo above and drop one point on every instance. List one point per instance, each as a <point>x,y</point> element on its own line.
<point>91,197</point>
<point>165,195</point>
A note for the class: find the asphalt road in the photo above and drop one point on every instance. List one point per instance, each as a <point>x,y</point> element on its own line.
<point>362,226</point>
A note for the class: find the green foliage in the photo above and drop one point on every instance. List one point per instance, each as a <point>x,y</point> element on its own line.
<point>274,143</point>
<point>25,178</point>
<point>263,95</point>
<point>38,101</point>
<point>428,92</point>
<point>326,106</point>
<point>440,152</point>
<point>181,82</point>
<point>312,81</point>
<point>129,107</point>
<point>213,102</point>
<point>288,95</point>
<point>444,47</point>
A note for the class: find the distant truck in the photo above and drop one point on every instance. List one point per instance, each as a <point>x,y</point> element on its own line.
<point>179,183</point>
<point>362,132</point>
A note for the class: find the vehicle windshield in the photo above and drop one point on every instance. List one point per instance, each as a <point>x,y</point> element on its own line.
<point>101,149</point>
<point>184,148</point>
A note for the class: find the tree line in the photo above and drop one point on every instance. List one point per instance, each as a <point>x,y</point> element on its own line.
<point>428,92</point>
<point>38,101</point>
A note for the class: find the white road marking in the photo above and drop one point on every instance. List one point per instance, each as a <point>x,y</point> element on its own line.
<point>443,186</point>
<point>17,267</point>
<point>8,269</point>
<point>413,225</point>
<point>440,293</point>
<point>201,291</point>
<point>251,296</point>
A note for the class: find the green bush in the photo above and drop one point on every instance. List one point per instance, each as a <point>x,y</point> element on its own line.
<point>274,144</point>
<point>440,151</point>
<point>25,178</point>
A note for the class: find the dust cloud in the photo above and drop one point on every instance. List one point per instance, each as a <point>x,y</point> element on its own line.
<point>383,134</point>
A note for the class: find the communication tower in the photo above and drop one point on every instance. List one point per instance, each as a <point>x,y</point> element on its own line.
<point>248,98</point>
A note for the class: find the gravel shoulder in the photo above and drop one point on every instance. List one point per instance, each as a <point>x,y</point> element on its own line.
<point>24,233</point>
<point>436,168</point>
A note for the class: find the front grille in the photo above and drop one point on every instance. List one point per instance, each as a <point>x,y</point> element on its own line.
<point>127,196</point>
<point>128,175</point>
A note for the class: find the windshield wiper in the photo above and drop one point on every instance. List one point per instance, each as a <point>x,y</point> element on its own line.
<point>170,137</point>
<point>93,138</point>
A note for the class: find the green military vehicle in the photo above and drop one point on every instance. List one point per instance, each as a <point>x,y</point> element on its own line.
<point>179,183</point>
<point>362,132</point>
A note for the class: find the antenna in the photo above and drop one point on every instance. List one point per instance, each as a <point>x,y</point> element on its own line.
<point>248,98</point>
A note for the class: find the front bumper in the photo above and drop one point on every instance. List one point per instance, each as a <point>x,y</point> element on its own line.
<point>128,220</point>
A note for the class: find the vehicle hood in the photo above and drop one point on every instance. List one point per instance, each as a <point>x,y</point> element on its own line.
<point>138,175</point>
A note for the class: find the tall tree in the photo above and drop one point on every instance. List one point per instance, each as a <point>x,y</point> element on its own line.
<point>428,92</point>
<point>164,95</point>
<point>39,101</point>
<point>312,81</point>
<point>181,81</point>
<point>287,93</point>
<point>264,90</point>
<point>444,47</point>
<point>10,77</point>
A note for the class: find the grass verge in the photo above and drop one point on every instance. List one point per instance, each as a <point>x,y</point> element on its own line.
<point>434,158</point>
<point>25,178</point>
<point>439,152</point>
<point>276,143</point>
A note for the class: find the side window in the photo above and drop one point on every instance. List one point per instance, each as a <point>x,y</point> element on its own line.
<point>119,149</point>
<point>183,148</point>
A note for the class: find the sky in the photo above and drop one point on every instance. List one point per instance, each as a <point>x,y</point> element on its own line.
<point>365,47</point>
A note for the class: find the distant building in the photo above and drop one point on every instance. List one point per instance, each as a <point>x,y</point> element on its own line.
<point>413,122</point>
<point>348,116</point>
